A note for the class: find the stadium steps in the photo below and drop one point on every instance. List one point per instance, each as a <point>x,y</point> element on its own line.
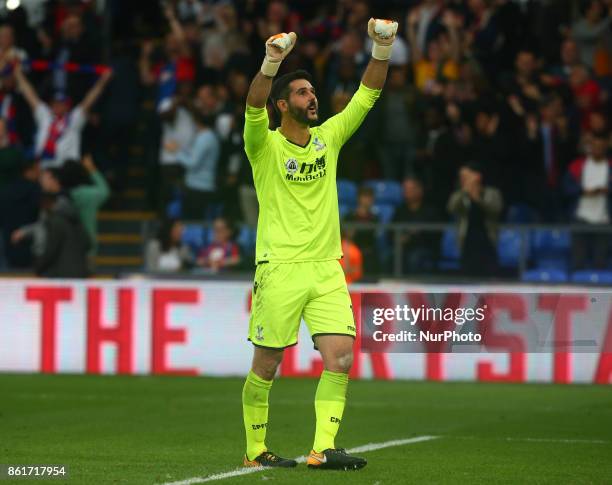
<point>120,241</point>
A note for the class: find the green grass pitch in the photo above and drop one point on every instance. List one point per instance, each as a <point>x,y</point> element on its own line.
<point>147,430</point>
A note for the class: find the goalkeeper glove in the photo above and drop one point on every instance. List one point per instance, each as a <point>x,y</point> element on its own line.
<point>382,33</point>
<point>277,48</point>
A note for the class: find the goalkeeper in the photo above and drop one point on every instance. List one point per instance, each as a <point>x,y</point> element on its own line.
<point>298,273</point>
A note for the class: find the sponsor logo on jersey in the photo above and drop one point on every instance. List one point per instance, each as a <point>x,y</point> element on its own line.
<point>292,166</point>
<point>308,171</point>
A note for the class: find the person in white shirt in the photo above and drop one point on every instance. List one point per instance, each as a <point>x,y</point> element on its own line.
<point>58,127</point>
<point>589,181</point>
<point>178,132</point>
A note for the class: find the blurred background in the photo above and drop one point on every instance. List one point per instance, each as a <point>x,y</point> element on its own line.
<point>487,156</point>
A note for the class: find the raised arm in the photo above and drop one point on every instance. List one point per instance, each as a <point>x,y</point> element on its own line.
<point>177,29</point>
<point>259,91</point>
<point>28,91</point>
<point>94,93</point>
<point>341,126</point>
<point>382,33</point>
<point>277,48</point>
<point>256,116</point>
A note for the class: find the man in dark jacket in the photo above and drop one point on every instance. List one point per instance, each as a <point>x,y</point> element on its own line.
<point>66,241</point>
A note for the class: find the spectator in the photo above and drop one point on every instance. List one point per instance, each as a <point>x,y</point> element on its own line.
<point>365,239</point>
<point>477,208</point>
<point>19,206</point>
<point>438,62</point>
<point>419,247</point>
<point>592,29</point>
<point>11,158</point>
<point>178,131</point>
<point>66,242</point>
<point>167,252</point>
<point>548,146</point>
<point>76,44</point>
<point>58,127</point>
<point>587,93</point>
<point>589,184</point>
<point>200,162</point>
<point>397,126</point>
<point>352,260</point>
<point>570,57</point>
<point>223,252</point>
<point>89,190</point>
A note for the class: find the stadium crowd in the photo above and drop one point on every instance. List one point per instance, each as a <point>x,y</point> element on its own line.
<point>494,110</point>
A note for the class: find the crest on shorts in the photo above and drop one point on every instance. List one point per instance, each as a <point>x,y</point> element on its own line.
<point>291,165</point>
<point>259,335</point>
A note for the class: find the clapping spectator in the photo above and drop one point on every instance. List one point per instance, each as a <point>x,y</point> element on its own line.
<point>477,208</point>
<point>223,252</point>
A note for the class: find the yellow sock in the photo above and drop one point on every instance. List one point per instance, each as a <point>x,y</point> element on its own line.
<point>329,406</point>
<point>255,412</point>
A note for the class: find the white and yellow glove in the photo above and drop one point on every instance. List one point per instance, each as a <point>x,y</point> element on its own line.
<point>382,32</point>
<point>277,48</point>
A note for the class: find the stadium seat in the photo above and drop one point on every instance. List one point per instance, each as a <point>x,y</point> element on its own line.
<point>592,277</point>
<point>547,239</point>
<point>347,192</point>
<point>344,210</point>
<point>449,254</point>
<point>174,209</point>
<point>386,191</point>
<point>545,276</point>
<point>194,236</point>
<point>384,212</point>
<point>550,249</point>
<point>246,238</point>
<point>509,248</point>
<point>520,214</point>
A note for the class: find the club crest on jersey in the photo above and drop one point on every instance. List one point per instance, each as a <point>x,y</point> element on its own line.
<point>319,145</point>
<point>259,335</point>
<point>292,166</point>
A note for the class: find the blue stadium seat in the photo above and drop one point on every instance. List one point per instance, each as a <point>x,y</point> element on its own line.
<point>520,214</point>
<point>592,276</point>
<point>384,212</point>
<point>386,191</point>
<point>174,209</point>
<point>246,238</point>
<point>345,210</point>
<point>449,254</point>
<point>347,192</point>
<point>509,248</point>
<point>550,249</point>
<point>545,276</point>
<point>550,239</point>
<point>194,235</point>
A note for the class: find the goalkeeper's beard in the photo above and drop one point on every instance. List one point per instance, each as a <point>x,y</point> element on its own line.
<point>301,115</point>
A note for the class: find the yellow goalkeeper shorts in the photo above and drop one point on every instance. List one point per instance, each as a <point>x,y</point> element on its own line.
<point>283,293</point>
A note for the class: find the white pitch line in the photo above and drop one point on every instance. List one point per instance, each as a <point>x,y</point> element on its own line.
<point>301,459</point>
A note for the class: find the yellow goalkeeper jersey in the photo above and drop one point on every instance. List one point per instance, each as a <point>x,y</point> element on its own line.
<point>296,185</point>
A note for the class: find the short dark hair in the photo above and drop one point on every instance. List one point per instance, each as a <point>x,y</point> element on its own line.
<point>280,86</point>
